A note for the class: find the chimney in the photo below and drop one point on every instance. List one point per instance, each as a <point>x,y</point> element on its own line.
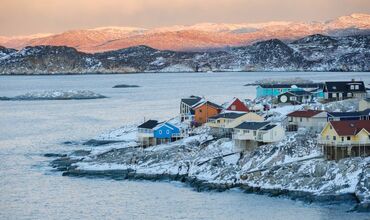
<point>353,80</point>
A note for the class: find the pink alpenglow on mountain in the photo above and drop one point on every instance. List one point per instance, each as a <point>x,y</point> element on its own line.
<point>198,37</point>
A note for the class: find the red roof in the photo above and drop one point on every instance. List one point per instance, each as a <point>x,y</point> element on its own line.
<point>347,128</point>
<point>304,114</point>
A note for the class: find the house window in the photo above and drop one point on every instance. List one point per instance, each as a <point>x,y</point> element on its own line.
<point>331,127</point>
<point>233,107</point>
<point>293,98</point>
<point>357,87</point>
<point>160,132</point>
<point>290,119</point>
<point>200,110</point>
<point>349,94</point>
<point>348,138</point>
<point>334,95</point>
<point>352,87</point>
<point>334,138</point>
<point>342,139</point>
<point>327,137</point>
<point>334,87</point>
<point>167,132</point>
<point>300,119</point>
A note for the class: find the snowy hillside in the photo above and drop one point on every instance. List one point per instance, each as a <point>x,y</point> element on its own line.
<point>312,53</point>
<point>292,167</point>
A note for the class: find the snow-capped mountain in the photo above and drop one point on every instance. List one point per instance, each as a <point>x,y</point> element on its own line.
<point>198,37</point>
<point>311,53</point>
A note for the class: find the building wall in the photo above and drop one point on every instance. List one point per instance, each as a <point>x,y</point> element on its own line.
<point>316,123</point>
<point>165,132</point>
<point>203,112</point>
<point>232,123</point>
<point>238,105</point>
<point>261,92</point>
<point>251,116</point>
<point>274,135</point>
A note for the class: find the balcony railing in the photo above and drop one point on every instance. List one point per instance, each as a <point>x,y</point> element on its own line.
<point>343,143</point>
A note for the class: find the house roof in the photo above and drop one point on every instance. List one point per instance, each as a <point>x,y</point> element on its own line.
<point>150,124</point>
<point>297,93</point>
<point>229,115</point>
<point>344,86</point>
<point>166,124</point>
<point>192,100</point>
<point>299,85</point>
<point>229,104</point>
<point>304,114</point>
<point>347,128</point>
<point>268,127</point>
<point>252,125</point>
<point>366,112</point>
<point>208,103</point>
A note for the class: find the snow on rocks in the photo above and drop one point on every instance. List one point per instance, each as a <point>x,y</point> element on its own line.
<point>56,95</point>
<point>292,167</point>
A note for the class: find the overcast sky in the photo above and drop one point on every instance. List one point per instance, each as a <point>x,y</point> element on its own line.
<point>20,17</point>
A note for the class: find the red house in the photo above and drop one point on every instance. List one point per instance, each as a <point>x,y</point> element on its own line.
<point>236,105</point>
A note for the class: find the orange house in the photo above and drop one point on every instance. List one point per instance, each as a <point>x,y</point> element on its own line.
<point>205,110</point>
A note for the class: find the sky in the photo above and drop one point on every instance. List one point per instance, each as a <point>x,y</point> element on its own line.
<point>23,17</point>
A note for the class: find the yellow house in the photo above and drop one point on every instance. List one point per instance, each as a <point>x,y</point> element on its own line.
<point>222,124</point>
<point>341,139</point>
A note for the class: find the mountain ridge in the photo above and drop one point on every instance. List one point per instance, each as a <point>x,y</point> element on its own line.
<point>198,37</point>
<point>311,53</point>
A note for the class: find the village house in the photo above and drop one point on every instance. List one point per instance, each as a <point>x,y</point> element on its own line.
<point>274,90</point>
<point>187,107</point>
<point>343,116</point>
<point>341,139</point>
<point>145,133</point>
<point>166,132</point>
<point>249,135</point>
<point>340,90</point>
<point>310,119</point>
<point>204,111</point>
<point>295,97</point>
<point>236,105</point>
<point>223,124</point>
<point>364,104</point>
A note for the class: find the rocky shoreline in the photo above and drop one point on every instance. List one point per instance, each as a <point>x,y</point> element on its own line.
<point>207,164</point>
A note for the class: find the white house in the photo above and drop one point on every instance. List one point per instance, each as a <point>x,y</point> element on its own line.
<point>223,124</point>
<point>310,119</point>
<point>187,107</point>
<point>249,135</point>
<point>145,133</point>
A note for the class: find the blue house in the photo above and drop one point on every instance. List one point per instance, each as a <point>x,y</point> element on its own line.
<point>277,89</point>
<point>166,132</point>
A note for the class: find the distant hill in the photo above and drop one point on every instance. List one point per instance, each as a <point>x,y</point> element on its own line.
<point>199,37</point>
<point>312,53</point>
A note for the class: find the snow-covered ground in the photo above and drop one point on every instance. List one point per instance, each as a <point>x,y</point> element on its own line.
<point>294,165</point>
